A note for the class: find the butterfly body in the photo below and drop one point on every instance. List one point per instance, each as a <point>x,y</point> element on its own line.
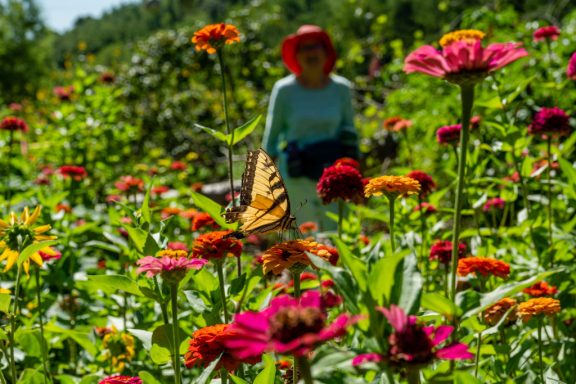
<point>264,204</point>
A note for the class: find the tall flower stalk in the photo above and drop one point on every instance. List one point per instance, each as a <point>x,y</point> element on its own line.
<point>229,131</point>
<point>44,347</point>
<point>175,332</point>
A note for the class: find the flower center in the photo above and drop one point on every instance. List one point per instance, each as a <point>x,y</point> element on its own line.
<point>291,323</point>
<point>173,253</point>
<point>467,35</point>
<point>412,344</point>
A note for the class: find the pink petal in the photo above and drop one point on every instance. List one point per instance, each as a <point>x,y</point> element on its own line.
<point>442,333</point>
<point>455,351</point>
<point>396,317</point>
<point>427,60</point>
<point>366,358</point>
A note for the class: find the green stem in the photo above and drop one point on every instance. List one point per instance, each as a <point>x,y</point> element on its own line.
<point>229,131</point>
<point>296,279</point>
<point>467,95</point>
<point>41,323</point>
<point>223,375</point>
<point>549,144</point>
<point>304,368</point>
<point>477,363</point>
<point>8,192</point>
<point>422,239</point>
<point>239,266</point>
<point>219,268</point>
<point>413,375</point>
<point>295,371</point>
<point>540,349</point>
<point>392,199</point>
<point>340,216</point>
<point>175,335</point>
<point>409,157</point>
<point>162,302</point>
<point>13,323</point>
<point>525,199</point>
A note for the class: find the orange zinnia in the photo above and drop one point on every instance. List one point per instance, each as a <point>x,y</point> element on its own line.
<point>207,344</point>
<point>494,313</point>
<point>292,253</point>
<point>540,289</point>
<point>540,306</point>
<point>391,186</point>
<point>215,245</point>
<point>484,266</point>
<point>214,36</point>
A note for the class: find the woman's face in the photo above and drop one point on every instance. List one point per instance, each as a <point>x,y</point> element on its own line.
<point>311,55</point>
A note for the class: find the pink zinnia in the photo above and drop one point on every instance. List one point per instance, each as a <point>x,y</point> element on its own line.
<point>13,124</point>
<point>289,326</point>
<point>571,69</point>
<point>171,269</point>
<point>366,358</point>
<point>412,343</point>
<point>121,380</point>
<point>178,246</point>
<point>463,59</point>
<point>426,207</point>
<point>495,203</point>
<point>550,32</point>
<point>449,134</point>
<point>442,251</point>
<point>75,172</point>
<point>64,93</point>
<point>550,121</point>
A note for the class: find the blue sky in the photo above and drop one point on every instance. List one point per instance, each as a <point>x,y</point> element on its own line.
<point>60,14</point>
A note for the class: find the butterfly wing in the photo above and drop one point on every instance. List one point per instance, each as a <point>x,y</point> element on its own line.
<point>264,204</point>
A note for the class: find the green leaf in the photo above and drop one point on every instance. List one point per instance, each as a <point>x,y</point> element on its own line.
<point>5,299</point>
<point>110,284</point>
<point>148,378</point>
<point>150,246</point>
<point>244,130</point>
<point>207,372</point>
<point>162,343</point>
<point>381,278</point>
<point>90,379</point>
<point>411,284</point>
<point>438,303</point>
<point>214,133</point>
<point>354,264</point>
<point>145,208</point>
<point>212,208</point>
<point>31,376</point>
<point>138,237</point>
<point>82,338</point>
<point>506,290</point>
<point>30,342</point>
<point>33,248</point>
<point>268,374</point>
<point>236,380</point>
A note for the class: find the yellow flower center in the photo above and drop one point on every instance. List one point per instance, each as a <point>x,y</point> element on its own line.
<point>467,35</point>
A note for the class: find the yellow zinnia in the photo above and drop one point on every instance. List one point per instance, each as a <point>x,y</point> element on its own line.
<point>467,35</point>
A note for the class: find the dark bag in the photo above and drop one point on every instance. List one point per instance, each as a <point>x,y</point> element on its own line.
<point>310,160</point>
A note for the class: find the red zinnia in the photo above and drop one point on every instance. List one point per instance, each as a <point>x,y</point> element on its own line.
<point>540,289</point>
<point>340,182</point>
<point>449,134</point>
<point>484,266</point>
<point>74,171</point>
<point>550,121</point>
<point>178,166</point>
<point>496,204</point>
<point>426,207</point>
<point>12,123</point>
<point>571,69</point>
<point>129,184</point>
<point>442,251</point>
<point>425,180</point>
<point>214,245</point>
<point>347,161</point>
<point>214,36</point>
<point>550,32</point>
<point>208,343</point>
<point>160,189</point>
<point>203,220</point>
<point>121,380</point>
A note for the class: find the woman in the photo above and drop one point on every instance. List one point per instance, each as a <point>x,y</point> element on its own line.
<point>310,121</point>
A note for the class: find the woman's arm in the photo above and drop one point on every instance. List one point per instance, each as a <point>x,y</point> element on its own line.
<point>274,122</point>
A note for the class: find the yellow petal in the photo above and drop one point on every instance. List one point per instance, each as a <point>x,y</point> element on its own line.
<point>10,256</point>
<point>45,237</point>
<point>32,219</point>
<point>37,258</point>
<point>42,228</point>
<point>25,215</point>
<point>13,218</point>
<point>26,266</point>
<point>5,291</point>
<point>3,224</point>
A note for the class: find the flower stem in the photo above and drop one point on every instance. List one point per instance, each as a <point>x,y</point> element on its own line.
<point>477,363</point>
<point>229,131</point>
<point>219,268</point>
<point>413,375</point>
<point>47,376</point>
<point>340,215</point>
<point>540,349</point>
<point>13,323</point>
<point>550,200</point>
<point>175,335</point>
<point>296,279</point>
<point>8,192</point>
<point>467,95</point>
<point>422,239</point>
<point>239,266</point>
<point>304,368</point>
<point>223,375</point>
<point>392,199</point>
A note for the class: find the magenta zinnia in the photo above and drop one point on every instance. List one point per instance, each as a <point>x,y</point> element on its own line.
<point>550,121</point>
<point>571,69</point>
<point>412,343</point>
<point>442,251</point>
<point>289,326</point>
<point>427,184</point>
<point>449,134</point>
<point>550,32</point>
<point>340,182</point>
<point>463,59</point>
<point>494,204</point>
<point>121,380</point>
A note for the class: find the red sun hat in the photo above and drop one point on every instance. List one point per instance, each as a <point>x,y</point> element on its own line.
<point>290,48</point>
